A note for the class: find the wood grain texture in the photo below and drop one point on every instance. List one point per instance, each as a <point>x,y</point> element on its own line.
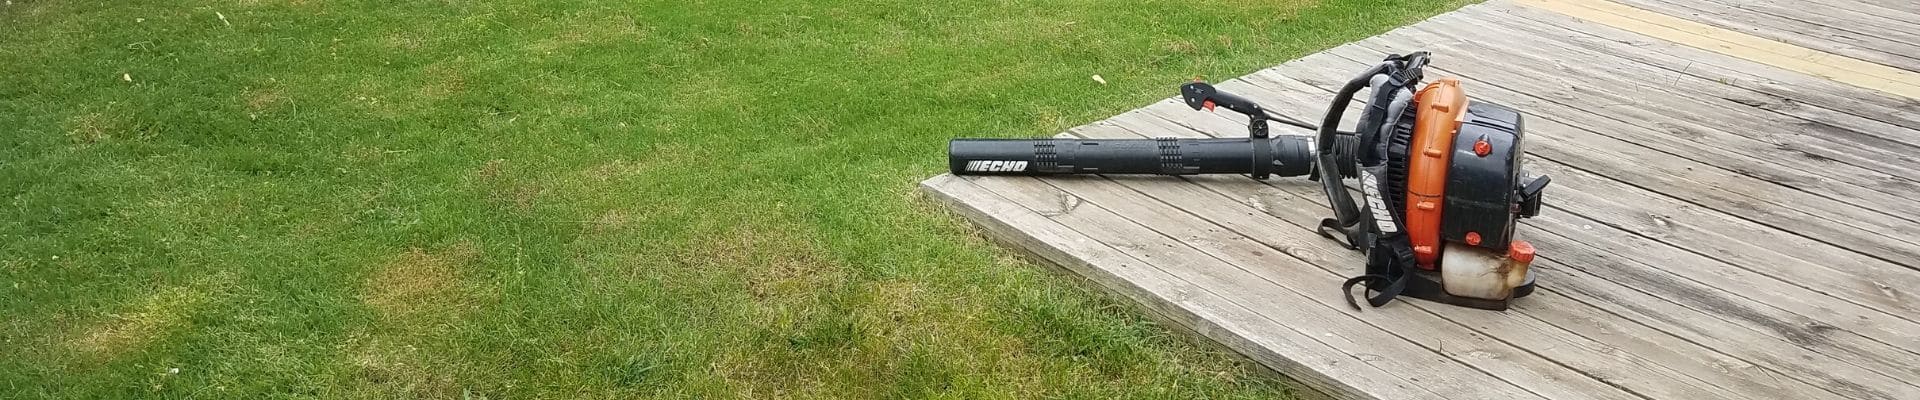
<point>1896,52</point>
<point>1792,89</point>
<point>1695,245</point>
<point>1624,298</point>
<point>1704,36</point>
<point>1724,323</point>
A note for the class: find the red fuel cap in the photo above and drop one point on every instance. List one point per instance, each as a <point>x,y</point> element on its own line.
<point>1482,148</point>
<point>1520,251</point>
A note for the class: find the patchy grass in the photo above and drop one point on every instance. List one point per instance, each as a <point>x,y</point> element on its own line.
<point>575,198</point>
<point>153,317</point>
<point>419,284</point>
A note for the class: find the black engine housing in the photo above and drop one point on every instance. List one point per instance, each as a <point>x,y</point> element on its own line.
<point>1482,189</point>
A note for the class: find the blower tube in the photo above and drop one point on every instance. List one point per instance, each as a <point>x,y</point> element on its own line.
<point>1282,155</point>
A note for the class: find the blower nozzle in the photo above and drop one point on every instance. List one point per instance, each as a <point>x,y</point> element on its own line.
<point>1284,156</point>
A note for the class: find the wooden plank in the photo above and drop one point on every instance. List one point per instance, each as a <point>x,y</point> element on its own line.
<point>1672,266</point>
<point>1311,287</point>
<point>1889,24</point>
<point>1659,348</point>
<point>1717,93</point>
<point>1286,351</point>
<point>1793,316</point>
<point>1826,38</point>
<point>1871,279</point>
<point>1250,233</point>
<point>1688,222</point>
<point>1890,165</point>
<point>1876,140</point>
<point>1743,192</point>
<point>1707,37</point>
<point>1868,281</point>
<point>1708,187</point>
<point>1633,109</point>
<point>1684,60</point>
<point>1272,303</point>
<point>1720,330</point>
<point>1323,322</point>
<point>1836,14</point>
<point>1305,190</point>
<point>1753,255</point>
<point>1710,145</point>
<point>1898,10</point>
<point>1843,381</point>
<point>1651,376</point>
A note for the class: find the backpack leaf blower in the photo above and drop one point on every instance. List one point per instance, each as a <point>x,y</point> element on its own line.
<point>1439,175</point>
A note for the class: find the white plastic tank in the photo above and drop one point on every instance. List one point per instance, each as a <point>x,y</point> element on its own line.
<point>1469,271</point>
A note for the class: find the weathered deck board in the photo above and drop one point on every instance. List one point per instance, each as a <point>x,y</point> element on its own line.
<point>1895,52</point>
<point>1797,134</point>
<point>1843,16</point>
<point>1619,296</point>
<point>1720,227</point>
<point>1778,82</point>
<point>1775,327</point>
<point>1652,373</point>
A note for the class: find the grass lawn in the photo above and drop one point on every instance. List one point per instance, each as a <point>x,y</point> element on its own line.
<point>576,198</point>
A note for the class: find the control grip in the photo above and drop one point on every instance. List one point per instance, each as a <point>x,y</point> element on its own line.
<point>1201,95</point>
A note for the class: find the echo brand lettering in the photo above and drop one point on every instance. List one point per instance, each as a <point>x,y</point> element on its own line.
<point>1370,187</point>
<point>996,166</point>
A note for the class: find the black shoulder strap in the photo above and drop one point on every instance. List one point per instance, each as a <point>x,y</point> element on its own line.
<point>1390,268</point>
<point>1381,236</point>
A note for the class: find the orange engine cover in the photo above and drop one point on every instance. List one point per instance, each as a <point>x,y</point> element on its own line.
<point>1439,110</point>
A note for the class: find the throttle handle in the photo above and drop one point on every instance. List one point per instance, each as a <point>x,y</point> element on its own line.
<point>1201,95</point>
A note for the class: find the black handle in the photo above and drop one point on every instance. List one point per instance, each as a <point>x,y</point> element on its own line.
<point>1201,95</point>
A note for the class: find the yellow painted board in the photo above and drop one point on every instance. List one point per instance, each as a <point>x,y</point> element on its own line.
<point>1740,45</point>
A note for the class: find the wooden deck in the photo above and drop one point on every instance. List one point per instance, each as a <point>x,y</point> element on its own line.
<point>1732,211</point>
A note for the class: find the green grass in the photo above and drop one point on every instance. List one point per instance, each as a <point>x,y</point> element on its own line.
<point>576,198</point>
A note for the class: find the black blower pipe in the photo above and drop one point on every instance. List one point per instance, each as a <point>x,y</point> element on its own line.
<point>1254,154</point>
<point>1285,156</point>
<point>1257,154</point>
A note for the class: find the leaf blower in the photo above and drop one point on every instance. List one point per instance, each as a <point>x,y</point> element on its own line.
<point>1439,174</point>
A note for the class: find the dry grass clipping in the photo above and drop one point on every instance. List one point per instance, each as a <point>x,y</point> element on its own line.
<point>392,369</point>
<point>262,99</point>
<point>91,128</point>
<point>153,317</point>
<point>776,264</point>
<point>419,282</point>
<point>518,195</point>
<point>417,295</point>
